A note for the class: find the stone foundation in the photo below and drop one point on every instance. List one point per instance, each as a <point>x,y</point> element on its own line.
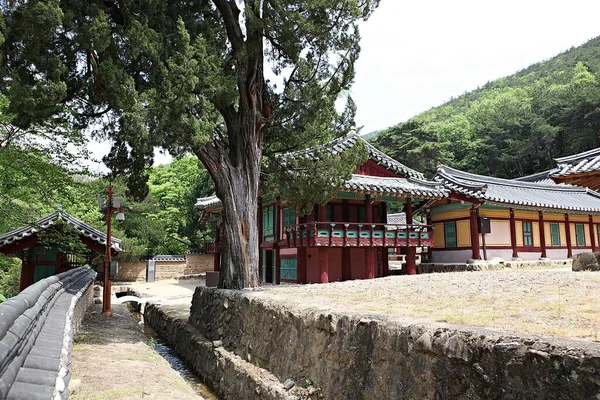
<point>228,375</point>
<point>427,268</point>
<point>352,356</point>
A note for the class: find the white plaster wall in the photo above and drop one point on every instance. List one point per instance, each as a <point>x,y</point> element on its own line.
<point>556,254</point>
<point>577,251</point>
<point>530,256</point>
<point>506,255</point>
<point>450,256</point>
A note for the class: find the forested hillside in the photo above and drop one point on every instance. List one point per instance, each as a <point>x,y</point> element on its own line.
<point>512,126</point>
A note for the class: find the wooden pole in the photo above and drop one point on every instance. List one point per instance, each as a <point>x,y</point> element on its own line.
<point>411,251</point>
<point>513,234</point>
<point>474,234</point>
<point>369,251</point>
<point>568,232</point>
<point>106,308</point>
<point>346,263</point>
<point>301,264</point>
<point>592,236</point>
<point>542,234</point>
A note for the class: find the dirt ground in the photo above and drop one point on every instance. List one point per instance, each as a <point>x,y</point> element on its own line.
<point>112,360</point>
<point>557,302</point>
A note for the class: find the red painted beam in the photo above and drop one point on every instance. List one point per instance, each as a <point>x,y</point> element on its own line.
<point>411,252</point>
<point>568,232</point>
<point>513,233</point>
<point>474,234</point>
<point>542,234</point>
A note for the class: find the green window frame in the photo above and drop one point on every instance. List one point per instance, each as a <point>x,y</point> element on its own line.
<point>580,235</point>
<point>289,217</point>
<point>268,227</point>
<point>289,269</point>
<point>527,234</point>
<point>555,234</point>
<point>450,233</point>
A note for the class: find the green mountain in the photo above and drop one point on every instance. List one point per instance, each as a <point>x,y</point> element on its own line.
<point>512,126</point>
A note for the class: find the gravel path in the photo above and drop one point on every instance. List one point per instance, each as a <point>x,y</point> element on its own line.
<point>558,302</point>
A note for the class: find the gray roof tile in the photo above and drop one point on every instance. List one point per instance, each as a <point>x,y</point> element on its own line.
<point>520,192</point>
<point>50,220</point>
<point>588,161</point>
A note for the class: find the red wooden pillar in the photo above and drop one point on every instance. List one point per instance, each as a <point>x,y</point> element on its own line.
<point>592,237</point>
<point>542,234</point>
<point>369,251</point>
<point>26,273</point>
<point>568,232</point>
<point>474,234</point>
<point>278,236</point>
<point>411,251</point>
<point>323,265</point>
<point>385,259</point>
<point>301,264</point>
<point>259,212</point>
<point>513,233</point>
<point>429,223</point>
<point>346,264</point>
<point>217,255</point>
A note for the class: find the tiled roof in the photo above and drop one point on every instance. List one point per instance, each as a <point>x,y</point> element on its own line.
<point>48,221</point>
<point>539,177</point>
<point>210,202</point>
<point>587,161</point>
<point>395,186</point>
<point>344,143</point>
<point>519,193</point>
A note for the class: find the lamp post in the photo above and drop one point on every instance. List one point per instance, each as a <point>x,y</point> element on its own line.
<point>112,205</point>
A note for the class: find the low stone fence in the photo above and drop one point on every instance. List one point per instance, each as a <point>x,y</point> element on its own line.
<point>190,264</point>
<point>36,335</point>
<point>427,268</point>
<point>358,356</point>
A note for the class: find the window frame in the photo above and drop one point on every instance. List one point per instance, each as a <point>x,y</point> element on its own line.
<point>557,236</point>
<point>579,236</point>
<point>527,234</point>
<point>454,237</point>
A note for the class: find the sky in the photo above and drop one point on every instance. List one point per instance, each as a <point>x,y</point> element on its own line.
<point>418,54</point>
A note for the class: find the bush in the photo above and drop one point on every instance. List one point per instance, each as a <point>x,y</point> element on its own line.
<point>10,276</point>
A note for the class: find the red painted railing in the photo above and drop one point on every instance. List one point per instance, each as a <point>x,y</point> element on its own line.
<point>355,234</point>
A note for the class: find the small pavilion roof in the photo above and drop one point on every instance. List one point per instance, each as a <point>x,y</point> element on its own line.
<point>588,161</point>
<point>344,143</point>
<point>209,203</point>
<point>46,222</point>
<point>519,192</point>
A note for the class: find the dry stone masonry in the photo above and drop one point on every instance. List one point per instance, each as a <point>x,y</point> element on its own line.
<point>351,356</point>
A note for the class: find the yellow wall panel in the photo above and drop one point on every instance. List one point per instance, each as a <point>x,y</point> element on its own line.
<point>554,217</point>
<point>438,236</point>
<point>526,214</point>
<point>586,230</point>
<point>596,218</point>
<point>463,233</point>
<point>450,215</point>
<point>500,235</point>
<point>519,230</point>
<point>573,234</point>
<point>535,227</point>
<point>547,234</point>
<point>494,213</point>
<point>563,234</point>
<point>578,218</point>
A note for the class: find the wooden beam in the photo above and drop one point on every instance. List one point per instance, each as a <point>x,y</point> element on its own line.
<point>542,233</point>
<point>474,213</point>
<point>411,252</point>
<point>592,236</point>
<point>513,234</point>
<point>568,232</point>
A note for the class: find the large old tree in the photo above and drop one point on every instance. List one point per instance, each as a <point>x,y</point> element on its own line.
<point>189,76</point>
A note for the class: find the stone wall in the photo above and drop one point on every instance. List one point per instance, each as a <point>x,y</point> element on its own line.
<point>195,263</point>
<point>361,356</point>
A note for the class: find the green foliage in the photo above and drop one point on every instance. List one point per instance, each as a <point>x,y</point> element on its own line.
<point>10,276</point>
<point>513,126</point>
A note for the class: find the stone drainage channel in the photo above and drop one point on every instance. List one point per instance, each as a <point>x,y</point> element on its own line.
<point>170,355</point>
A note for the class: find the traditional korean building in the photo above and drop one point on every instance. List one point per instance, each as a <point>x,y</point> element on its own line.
<point>520,218</point>
<point>349,237</point>
<point>40,260</point>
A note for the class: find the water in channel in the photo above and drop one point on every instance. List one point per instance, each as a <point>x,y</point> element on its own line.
<point>172,358</point>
